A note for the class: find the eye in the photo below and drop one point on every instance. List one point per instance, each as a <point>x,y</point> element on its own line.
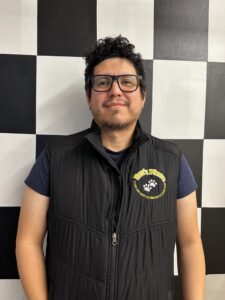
<point>102,81</point>
<point>128,81</point>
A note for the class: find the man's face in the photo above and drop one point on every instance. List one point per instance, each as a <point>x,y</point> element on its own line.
<point>115,109</point>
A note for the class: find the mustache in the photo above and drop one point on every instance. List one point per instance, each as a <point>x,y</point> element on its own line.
<point>110,102</point>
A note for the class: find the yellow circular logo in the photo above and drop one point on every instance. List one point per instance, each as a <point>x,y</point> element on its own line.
<point>150,183</point>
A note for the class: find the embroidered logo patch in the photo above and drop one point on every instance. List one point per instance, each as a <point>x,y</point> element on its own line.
<point>150,184</point>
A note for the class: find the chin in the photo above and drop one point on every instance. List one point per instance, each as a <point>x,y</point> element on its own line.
<point>116,125</point>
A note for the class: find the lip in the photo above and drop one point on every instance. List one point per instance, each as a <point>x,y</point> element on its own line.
<point>115,104</point>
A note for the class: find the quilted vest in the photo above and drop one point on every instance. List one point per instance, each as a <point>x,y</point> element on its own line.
<point>111,232</point>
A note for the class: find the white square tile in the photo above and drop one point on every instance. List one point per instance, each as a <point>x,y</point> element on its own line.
<point>179,92</point>
<point>213,183</point>
<point>133,19</point>
<point>18,27</point>
<point>17,155</point>
<point>199,212</point>
<point>11,289</point>
<point>215,287</point>
<point>175,262</point>
<point>61,103</point>
<point>216,40</point>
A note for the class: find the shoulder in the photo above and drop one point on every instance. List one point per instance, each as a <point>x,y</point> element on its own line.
<point>66,141</point>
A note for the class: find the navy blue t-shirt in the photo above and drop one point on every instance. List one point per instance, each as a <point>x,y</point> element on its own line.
<point>39,176</point>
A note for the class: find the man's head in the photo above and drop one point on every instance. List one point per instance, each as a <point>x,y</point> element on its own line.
<point>109,48</point>
<point>114,99</point>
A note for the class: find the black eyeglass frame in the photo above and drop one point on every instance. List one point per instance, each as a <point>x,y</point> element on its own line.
<point>115,77</point>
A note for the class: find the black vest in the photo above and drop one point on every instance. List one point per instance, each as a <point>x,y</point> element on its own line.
<point>111,233</point>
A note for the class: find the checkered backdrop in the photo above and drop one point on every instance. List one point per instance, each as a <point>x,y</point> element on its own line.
<point>41,95</point>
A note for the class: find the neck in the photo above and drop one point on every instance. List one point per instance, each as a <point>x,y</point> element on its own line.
<point>117,140</point>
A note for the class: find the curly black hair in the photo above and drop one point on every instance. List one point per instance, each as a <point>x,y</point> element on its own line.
<point>113,47</point>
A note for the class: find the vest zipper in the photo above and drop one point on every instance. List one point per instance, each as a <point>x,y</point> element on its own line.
<point>116,220</point>
<point>114,239</point>
<point>114,242</point>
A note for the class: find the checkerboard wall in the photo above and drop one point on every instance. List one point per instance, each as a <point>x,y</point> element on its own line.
<point>41,94</point>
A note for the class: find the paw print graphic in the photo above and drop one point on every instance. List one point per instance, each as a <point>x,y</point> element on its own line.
<point>151,184</point>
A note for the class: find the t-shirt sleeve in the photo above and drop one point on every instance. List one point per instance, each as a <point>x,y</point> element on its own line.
<point>38,179</point>
<point>186,181</point>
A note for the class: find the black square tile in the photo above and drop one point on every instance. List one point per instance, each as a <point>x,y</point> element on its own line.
<point>66,28</point>
<point>41,142</point>
<point>146,115</point>
<point>213,238</point>
<point>215,103</point>
<point>181,29</point>
<point>193,151</point>
<point>8,229</point>
<point>17,93</point>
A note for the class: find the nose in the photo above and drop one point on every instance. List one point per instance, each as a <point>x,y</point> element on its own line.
<point>115,89</point>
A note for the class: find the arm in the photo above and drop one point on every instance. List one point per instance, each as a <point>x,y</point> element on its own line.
<point>191,262</point>
<point>29,244</point>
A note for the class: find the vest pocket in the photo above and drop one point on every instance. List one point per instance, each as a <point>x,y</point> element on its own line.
<point>77,261</point>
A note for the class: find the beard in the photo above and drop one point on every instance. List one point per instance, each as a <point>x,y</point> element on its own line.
<point>114,124</point>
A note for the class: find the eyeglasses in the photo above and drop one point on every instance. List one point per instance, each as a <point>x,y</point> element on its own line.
<point>127,83</point>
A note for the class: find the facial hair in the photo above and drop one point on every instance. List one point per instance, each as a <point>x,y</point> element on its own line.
<point>114,125</point>
<point>110,124</point>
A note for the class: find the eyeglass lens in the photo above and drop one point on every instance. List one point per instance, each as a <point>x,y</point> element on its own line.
<point>126,83</point>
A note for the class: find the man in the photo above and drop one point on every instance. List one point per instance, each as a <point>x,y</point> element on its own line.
<point>113,199</point>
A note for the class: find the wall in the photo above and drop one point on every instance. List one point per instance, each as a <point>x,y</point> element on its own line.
<point>41,94</point>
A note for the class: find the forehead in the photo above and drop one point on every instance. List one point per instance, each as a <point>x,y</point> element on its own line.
<point>115,66</point>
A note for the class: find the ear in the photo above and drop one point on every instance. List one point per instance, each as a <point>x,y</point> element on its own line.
<point>88,99</point>
<point>143,100</point>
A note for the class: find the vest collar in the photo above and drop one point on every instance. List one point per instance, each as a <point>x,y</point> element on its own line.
<point>139,134</point>
<point>94,137</point>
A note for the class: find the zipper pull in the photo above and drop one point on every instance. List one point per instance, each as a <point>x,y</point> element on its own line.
<point>114,239</point>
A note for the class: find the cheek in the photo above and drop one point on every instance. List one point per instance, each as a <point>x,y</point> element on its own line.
<point>95,105</point>
<point>136,104</point>
<point>97,100</point>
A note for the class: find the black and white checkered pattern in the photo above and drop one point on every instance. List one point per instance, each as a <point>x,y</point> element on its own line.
<point>41,94</point>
